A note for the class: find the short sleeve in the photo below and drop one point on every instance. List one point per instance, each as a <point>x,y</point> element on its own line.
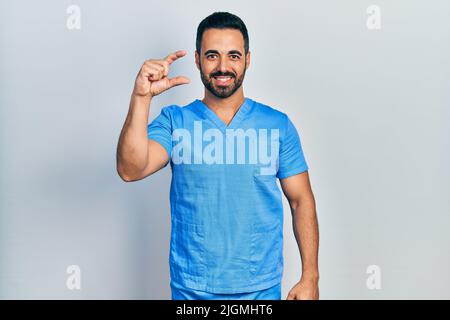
<point>160,130</point>
<point>291,159</point>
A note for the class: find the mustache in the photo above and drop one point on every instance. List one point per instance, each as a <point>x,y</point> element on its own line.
<point>223,74</point>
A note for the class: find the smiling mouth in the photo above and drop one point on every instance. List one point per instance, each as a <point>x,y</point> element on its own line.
<point>223,80</point>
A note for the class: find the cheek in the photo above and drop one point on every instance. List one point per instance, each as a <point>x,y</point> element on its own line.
<point>239,67</point>
<point>208,67</point>
<point>207,72</point>
<point>239,70</point>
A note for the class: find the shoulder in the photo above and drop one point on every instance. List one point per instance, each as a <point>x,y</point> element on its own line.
<point>174,111</point>
<point>175,114</point>
<point>272,113</point>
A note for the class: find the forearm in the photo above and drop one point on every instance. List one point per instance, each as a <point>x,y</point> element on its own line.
<point>306,231</point>
<point>132,149</point>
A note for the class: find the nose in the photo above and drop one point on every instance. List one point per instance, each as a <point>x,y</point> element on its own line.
<point>223,65</point>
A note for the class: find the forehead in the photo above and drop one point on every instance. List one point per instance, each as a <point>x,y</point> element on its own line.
<point>222,39</point>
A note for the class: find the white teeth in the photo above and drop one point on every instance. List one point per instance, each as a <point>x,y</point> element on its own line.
<point>223,78</point>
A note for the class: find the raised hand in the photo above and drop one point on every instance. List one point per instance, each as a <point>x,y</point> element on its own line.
<point>153,79</point>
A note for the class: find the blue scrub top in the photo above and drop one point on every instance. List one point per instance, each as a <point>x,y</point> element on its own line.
<point>226,206</point>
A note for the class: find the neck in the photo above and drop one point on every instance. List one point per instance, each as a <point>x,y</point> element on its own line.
<point>230,104</point>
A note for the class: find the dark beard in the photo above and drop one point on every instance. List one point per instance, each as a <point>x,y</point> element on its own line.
<point>222,92</point>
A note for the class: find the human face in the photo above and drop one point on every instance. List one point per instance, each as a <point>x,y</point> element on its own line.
<point>222,61</point>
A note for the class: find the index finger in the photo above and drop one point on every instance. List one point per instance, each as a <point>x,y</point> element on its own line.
<point>175,55</point>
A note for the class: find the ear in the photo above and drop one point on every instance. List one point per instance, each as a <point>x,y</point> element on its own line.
<point>197,57</point>
<point>247,57</point>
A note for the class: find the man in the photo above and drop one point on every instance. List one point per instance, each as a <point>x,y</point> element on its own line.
<point>226,152</point>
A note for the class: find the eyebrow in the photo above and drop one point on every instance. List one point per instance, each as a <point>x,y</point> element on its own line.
<point>229,52</point>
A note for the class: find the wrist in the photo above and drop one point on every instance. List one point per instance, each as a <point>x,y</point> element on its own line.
<point>140,96</point>
<point>310,276</point>
<point>140,102</point>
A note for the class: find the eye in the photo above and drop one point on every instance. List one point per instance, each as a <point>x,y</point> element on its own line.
<point>211,56</point>
<point>235,56</point>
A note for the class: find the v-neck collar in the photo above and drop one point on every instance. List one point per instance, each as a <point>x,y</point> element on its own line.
<point>239,115</point>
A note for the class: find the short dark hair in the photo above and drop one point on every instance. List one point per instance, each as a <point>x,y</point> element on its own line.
<point>221,20</point>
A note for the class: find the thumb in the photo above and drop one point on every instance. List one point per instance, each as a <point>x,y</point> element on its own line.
<point>176,81</point>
